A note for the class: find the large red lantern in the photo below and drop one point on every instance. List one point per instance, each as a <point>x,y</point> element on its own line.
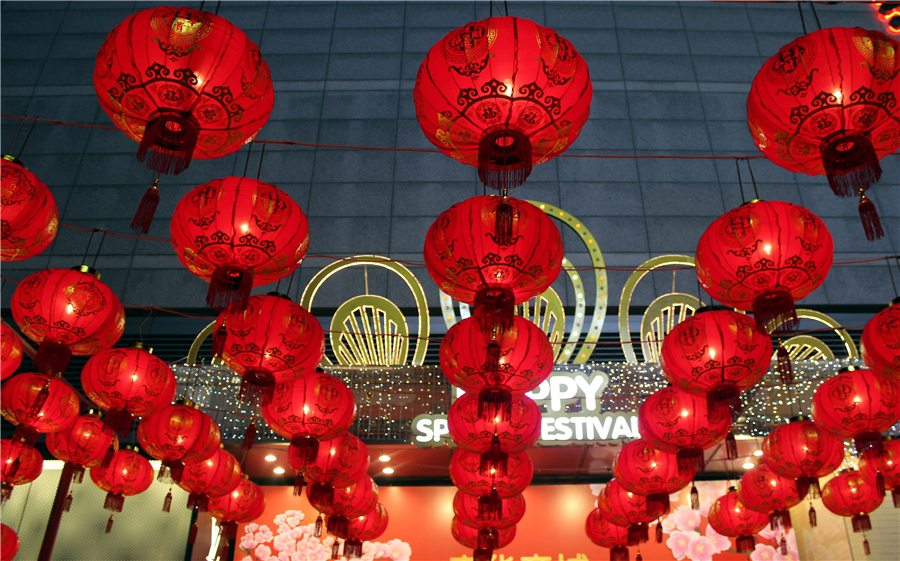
<point>19,464</point>
<point>764,491</point>
<point>178,434</point>
<point>502,94</point>
<point>802,451</point>
<point>369,526</point>
<point>88,443</point>
<point>764,256</point>
<point>675,421</point>
<point>236,233</point>
<point>128,474</point>
<point>215,476</point>
<point>483,540</point>
<point>884,471</point>
<point>605,534</point>
<point>880,342</point>
<point>308,409</point>
<point>37,403</point>
<point>271,340</point>
<point>30,217</point>
<point>9,543</point>
<point>824,105</point>
<point>183,83</point>
<point>10,351</point>
<point>338,462</point>
<point>349,501</point>
<point>857,404</point>
<point>729,517</point>
<point>497,364</point>
<point>244,504</point>
<point>465,472</point>
<point>488,511</point>
<point>626,509</point>
<point>493,252</point>
<point>645,470</point>
<point>67,312</point>
<point>849,494</point>
<point>716,353</point>
<point>127,383</point>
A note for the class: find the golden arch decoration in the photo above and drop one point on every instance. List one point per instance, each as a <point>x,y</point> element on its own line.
<point>369,330</point>
<point>547,310</point>
<point>801,348</point>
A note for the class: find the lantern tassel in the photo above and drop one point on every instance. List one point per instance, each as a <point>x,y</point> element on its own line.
<point>108,457</point>
<point>198,501</point>
<point>783,543</point>
<point>337,526</point>
<point>229,530</point>
<point>482,555</point>
<point>320,521</point>
<point>488,538</point>
<point>808,486</point>
<point>494,460</point>
<point>861,523</point>
<point>299,482</point>
<point>353,549</point>
<point>335,549</point>
<point>114,502</point>
<point>639,557</point>
<point>695,497</point>
<point>67,503</point>
<point>109,524</point>
<point>143,218</point>
<point>503,224</point>
<point>731,449</point>
<point>723,401</point>
<point>659,532</point>
<point>785,369</point>
<point>119,420</point>
<point>494,403</point>
<point>866,548</point>
<point>490,507</point>
<point>780,519</point>
<point>879,483</point>
<point>851,164</point>
<point>218,341</point>
<point>690,458</point>
<point>618,553</point>
<point>494,310</point>
<point>168,142</point>
<point>167,502</point>
<point>813,521</point>
<point>869,441</point>
<point>13,468</point>
<point>504,158</point>
<point>321,494</point>
<point>229,285</point>
<point>492,362</point>
<point>257,388</point>
<point>305,449</point>
<point>52,358</point>
<point>895,495</point>
<point>192,535</point>
<point>5,492</point>
<point>40,399</point>
<point>223,551</point>
<point>745,543</point>
<point>657,504</point>
<point>26,435</point>
<point>775,307</point>
<point>638,534</point>
<point>868,214</point>
<point>249,438</point>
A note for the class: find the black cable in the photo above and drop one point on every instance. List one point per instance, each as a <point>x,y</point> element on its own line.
<point>261,156</point>
<point>15,137</point>
<point>753,179</point>
<point>802,21</point>
<point>27,136</point>
<point>218,5</point>
<point>891,273</point>
<point>247,163</point>
<point>88,248</point>
<point>740,182</point>
<point>99,247</point>
<point>815,14</point>
<point>506,7</point>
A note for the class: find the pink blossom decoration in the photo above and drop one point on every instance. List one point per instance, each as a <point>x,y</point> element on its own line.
<point>679,543</point>
<point>720,543</point>
<point>701,549</point>
<point>763,553</point>
<point>686,518</point>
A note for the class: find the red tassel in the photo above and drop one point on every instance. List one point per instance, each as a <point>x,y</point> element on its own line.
<point>780,519</point>
<point>257,388</point>
<point>229,285</point>
<point>879,483</point>
<point>745,543</point>
<point>639,557</point>
<point>851,164</point>
<point>220,336</point>
<point>504,158</point>
<point>494,310</point>
<point>321,494</point>
<point>494,403</point>
<point>167,502</point>
<point>657,504</point>
<point>868,214</point>
<point>163,474</point>
<point>861,523</point>
<point>114,502</point>
<point>143,218</point>
<point>784,549</point>
<point>119,420</point>
<point>249,438</point>
<point>108,457</point>
<point>192,535</point>
<point>306,449</point>
<point>13,468</point>
<point>638,534</point>
<point>482,555</point>
<point>813,521</point>
<point>40,399</point>
<point>320,521</point>
<point>353,549</point>
<point>77,473</point>
<point>490,507</point>
<point>723,401</point>
<point>618,553</point>
<point>695,497</point>
<point>67,504</point>
<point>731,451</point>
<point>503,224</point>
<point>494,460</point>
<point>808,486</point>
<point>52,358</point>
<point>690,458</point>
<point>487,538</point>
<point>109,524</point>
<point>299,481</point>
<point>492,362</point>
<point>895,495</point>
<point>785,369</point>
<point>776,306</point>
<point>168,142</point>
<point>5,492</point>
<point>26,435</point>
<point>336,549</point>
<point>659,532</point>
<point>198,501</point>
<point>229,530</point>
<point>866,546</point>
<point>337,526</point>
<point>223,551</point>
<point>869,441</point>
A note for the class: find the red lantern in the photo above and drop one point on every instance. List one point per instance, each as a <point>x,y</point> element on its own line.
<point>236,233</point>
<point>10,351</point>
<point>823,106</point>
<point>128,474</point>
<point>338,462</point>
<point>488,511</point>
<point>369,526</point>
<point>88,443</point>
<point>493,252</point>
<point>465,472</point>
<point>178,434</point>
<point>880,342</point>
<point>606,534</point>
<point>30,216</point>
<point>183,83</point>
<point>764,491</point>
<point>495,438</point>
<point>483,540</point>
<point>37,403</point>
<point>309,409</point>
<point>215,476</point>
<point>804,452</point>
<point>349,501</point>
<point>849,494</point>
<point>67,312</point>
<point>764,256</point>
<point>647,471</point>
<point>729,517</point>
<point>9,543</point>
<point>716,353</point>
<point>245,504</point>
<point>675,421</point>
<point>859,405</point>
<point>623,508</point>
<point>19,464</point>
<point>502,94</point>
<point>127,383</point>
<point>271,340</point>
<point>884,471</point>
<point>498,364</point>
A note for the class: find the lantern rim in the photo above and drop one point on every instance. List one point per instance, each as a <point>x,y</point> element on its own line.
<point>13,159</point>
<point>849,368</point>
<point>87,270</point>
<point>894,302</point>
<point>141,346</point>
<point>279,295</point>
<point>800,418</point>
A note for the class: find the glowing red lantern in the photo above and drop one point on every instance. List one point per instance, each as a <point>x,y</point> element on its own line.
<point>244,504</point>
<point>884,471</point>
<point>19,464</point>
<point>9,543</point>
<point>348,501</point>
<point>804,452</point>
<point>178,434</point>
<point>493,252</point>
<point>369,526</point>
<point>128,474</point>
<point>67,312</point>
<point>649,472</point>
<point>822,106</point>
<point>10,351</point>
<point>488,511</point>
<point>849,494</point>
<point>88,443</point>
<point>338,462</point>
<point>764,256</point>
<point>271,340</point>
<point>30,217</point>
<point>857,404</point>
<point>483,540</point>
<point>37,403</point>
<point>716,353</point>
<point>236,233</point>
<point>880,342</point>
<point>502,94</point>
<point>729,517</point>
<point>215,476</point>
<point>465,472</point>
<point>127,383</point>
<point>675,421</point>
<point>605,534</point>
<point>764,491</point>
<point>183,83</point>
<point>498,364</point>
<point>623,508</point>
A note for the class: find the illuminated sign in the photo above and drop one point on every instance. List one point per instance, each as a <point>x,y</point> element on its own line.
<point>889,12</point>
<point>571,401</point>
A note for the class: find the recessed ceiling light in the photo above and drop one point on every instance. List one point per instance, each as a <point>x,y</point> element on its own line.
<point>749,465</point>
<point>271,458</point>
<point>758,453</point>
<point>388,470</point>
<point>279,471</point>
<point>384,458</point>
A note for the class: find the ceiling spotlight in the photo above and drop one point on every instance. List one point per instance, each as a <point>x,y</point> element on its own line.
<point>271,458</point>
<point>388,470</point>
<point>758,453</point>
<point>279,471</point>
<point>384,458</point>
<point>748,465</point>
